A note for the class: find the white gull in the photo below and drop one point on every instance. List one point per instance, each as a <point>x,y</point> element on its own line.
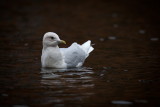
<point>55,57</point>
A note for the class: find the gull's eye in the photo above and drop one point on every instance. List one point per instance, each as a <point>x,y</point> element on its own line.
<point>52,38</point>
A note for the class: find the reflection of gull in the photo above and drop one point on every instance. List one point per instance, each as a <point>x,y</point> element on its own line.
<point>55,57</point>
<point>61,77</point>
<point>54,73</point>
<point>68,84</point>
<point>50,70</point>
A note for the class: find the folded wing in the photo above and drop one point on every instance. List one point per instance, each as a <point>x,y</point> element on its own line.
<point>76,54</point>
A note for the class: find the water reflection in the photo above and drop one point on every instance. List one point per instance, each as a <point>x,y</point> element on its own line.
<point>73,84</point>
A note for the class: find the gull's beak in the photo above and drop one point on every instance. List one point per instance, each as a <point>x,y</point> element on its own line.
<point>62,41</point>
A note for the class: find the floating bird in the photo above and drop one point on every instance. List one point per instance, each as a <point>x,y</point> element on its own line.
<point>55,57</point>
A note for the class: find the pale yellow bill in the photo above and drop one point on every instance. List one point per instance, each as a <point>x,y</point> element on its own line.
<point>62,41</point>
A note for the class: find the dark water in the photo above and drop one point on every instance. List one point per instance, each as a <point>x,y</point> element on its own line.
<point>122,71</point>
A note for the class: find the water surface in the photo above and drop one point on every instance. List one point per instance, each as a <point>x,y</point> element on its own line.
<point>123,70</point>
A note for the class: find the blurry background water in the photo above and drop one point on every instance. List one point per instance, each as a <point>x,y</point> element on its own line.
<point>123,70</point>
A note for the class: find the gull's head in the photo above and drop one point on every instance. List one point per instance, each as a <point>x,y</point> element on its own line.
<point>51,39</point>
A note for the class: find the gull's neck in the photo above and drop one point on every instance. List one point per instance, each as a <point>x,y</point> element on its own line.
<point>50,47</point>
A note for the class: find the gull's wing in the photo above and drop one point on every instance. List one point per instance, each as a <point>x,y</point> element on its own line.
<point>74,55</point>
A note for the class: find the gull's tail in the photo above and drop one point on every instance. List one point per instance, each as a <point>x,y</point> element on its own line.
<point>87,47</point>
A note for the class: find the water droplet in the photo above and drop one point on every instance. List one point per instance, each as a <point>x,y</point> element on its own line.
<point>111,37</point>
<point>101,74</point>
<point>4,95</point>
<point>108,80</point>
<point>139,80</point>
<point>142,31</point>
<point>154,39</point>
<point>121,102</point>
<point>36,58</point>
<point>101,39</point>
<point>115,25</point>
<point>26,44</point>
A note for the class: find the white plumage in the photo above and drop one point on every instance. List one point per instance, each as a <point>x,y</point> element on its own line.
<point>55,57</point>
